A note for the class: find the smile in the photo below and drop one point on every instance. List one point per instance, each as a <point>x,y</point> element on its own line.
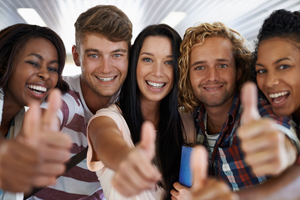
<point>213,87</point>
<point>106,79</point>
<point>155,85</point>
<point>279,97</point>
<point>37,89</point>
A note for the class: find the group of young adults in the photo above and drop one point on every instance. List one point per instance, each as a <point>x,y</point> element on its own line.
<point>133,107</point>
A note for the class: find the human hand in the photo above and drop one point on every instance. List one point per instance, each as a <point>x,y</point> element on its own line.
<point>180,192</point>
<point>267,150</point>
<point>136,172</point>
<point>18,166</point>
<point>204,187</point>
<point>41,132</point>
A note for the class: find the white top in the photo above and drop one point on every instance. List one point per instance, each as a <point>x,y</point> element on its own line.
<point>105,174</point>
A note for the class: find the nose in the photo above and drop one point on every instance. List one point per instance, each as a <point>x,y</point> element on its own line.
<point>106,65</point>
<point>272,79</point>
<point>213,74</point>
<point>43,73</point>
<point>158,70</point>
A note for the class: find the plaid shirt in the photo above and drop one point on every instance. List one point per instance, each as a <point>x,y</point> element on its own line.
<point>227,159</point>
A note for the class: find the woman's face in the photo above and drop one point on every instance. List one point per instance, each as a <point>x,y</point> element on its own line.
<point>155,68</point>
<point>278,70</point>
<point>34,73</point>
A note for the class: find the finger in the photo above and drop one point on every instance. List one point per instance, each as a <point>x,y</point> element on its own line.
<point>256,128</point>
<point>212,190</point>
<point>44,180</point>
<point>31,124</point>
<point>178,186</point>
<point>174,193</point>
<point>52,153</point>
<point>199,167</point>
<point>51,168</point>
<point>56,140</point>
<point>148,136</point>
<point>249,102</point>
<point>50,120</point>
<point>261,141</point>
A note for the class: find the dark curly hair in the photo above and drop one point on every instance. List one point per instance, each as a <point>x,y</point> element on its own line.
<point>281,23</point>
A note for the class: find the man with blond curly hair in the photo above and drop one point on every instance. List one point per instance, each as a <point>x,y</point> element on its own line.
<point>214,64</point>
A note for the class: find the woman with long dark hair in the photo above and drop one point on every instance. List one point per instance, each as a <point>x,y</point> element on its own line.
<point>149,94</point>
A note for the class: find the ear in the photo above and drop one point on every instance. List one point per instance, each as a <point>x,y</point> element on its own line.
<point>238,74</point>
<point>75,56</point>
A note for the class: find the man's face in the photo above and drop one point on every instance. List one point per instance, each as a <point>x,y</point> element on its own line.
<point>212,72</point>
<point>104,64</point>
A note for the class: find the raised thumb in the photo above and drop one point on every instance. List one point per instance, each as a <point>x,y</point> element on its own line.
<point>199,164</point>
<point>50,119</point>
<point>31,124</point>
<point>249,102</point>
<point>148,136</point>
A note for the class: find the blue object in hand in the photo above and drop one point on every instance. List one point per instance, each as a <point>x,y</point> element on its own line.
<point>185,174</point>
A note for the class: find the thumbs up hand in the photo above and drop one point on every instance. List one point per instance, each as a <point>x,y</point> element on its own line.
<point>40,131</point>
<point>136,172</point>
<point>267,150</point>
<point>205,187</point>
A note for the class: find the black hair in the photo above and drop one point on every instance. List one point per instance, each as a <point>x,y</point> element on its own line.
<point>15,37</point>
<point>281,23</point>
<point>169,137</point>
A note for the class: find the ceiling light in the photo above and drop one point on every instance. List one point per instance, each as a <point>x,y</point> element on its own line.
<point>173,18</point>
<point>31,16</point>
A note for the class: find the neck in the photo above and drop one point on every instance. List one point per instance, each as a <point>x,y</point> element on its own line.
<point>296,116</point>
<point>217,116</point>
<point>93,101</point>
<point>10,110</point>
<point>150,111</point>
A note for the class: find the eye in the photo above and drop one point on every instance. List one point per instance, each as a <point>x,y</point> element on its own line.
<point>52,69</point>
<point>222,66</point>
<point>117,55</point>
<point>284,67</point>
<point>170,62</point>
<point>199,68</point>
<point>93,55</point>
<point>261,71</point>
<point>34,64</point>
<point>147,60</point>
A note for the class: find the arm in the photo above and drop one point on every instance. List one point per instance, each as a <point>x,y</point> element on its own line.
<point>285,186</point>
<point>267,149</point>
<point>134,171</point>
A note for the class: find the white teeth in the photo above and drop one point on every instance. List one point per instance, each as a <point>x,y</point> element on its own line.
<point>155,85</point>
<point>279,94</point>
<point>39,89</point>
<point>212,88</point>
<point>106,79</point>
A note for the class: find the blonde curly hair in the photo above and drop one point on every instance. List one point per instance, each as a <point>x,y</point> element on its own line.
<point>196,36</point>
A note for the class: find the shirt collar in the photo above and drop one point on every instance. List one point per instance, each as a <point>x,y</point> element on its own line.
<point>232,113</point>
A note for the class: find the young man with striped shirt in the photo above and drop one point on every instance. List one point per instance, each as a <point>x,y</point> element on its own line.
<point>103,39</point>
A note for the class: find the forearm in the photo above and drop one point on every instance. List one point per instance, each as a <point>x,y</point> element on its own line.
<point>107,142</point>
<point>285,186</point>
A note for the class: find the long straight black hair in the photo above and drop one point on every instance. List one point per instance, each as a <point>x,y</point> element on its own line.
<point>169,137</point>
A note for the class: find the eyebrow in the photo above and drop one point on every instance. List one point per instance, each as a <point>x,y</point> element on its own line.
<point>202,62</point>
<point>97,51</point>
<point>281,59</point>
<point>41,57</point>
<point>150,54</point>
<point>276,62</point>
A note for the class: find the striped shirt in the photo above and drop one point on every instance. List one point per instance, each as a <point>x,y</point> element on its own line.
<point>78,182</point>
<point>228,163</point>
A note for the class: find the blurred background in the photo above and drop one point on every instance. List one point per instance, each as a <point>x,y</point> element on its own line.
<point>245,16</point>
